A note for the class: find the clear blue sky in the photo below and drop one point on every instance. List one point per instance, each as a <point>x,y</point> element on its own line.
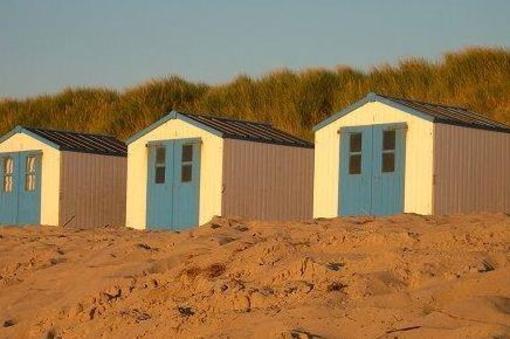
<point>48,45</point>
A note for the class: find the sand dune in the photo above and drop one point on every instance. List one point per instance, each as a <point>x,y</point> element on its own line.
<point>405,276</point>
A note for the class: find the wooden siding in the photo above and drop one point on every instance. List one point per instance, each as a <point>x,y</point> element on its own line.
<point>267,182</point>
<point>93,190</point>
<point>471,170</point>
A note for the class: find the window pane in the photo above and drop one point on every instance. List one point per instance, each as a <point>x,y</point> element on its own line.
<point>388,140</point>
<point>160,174</point>
<point>30,182</point>
<point>355,145</point>
<point>355,164</point>
<point>388,162</point>
<point>30,165</point>
<point>187,153</point>
<point>7,186</point>
<point>30,174</point>
<point>8,166</point>
<point>186,173</point>
<point>160,155</point>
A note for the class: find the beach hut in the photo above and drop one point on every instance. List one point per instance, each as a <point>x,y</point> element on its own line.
<point>385,155</point>
<point>184,169</point>
<point>61,178</point>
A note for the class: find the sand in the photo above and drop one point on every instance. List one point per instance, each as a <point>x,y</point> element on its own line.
<point>405,276</point>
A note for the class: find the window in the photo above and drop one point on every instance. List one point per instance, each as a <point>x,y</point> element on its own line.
<point>30,173</point>
<point>187,163</point>
<point>355,146</point>
<point>388,152</point>
<point>187,153</point>
<point>160,165</point>
<point>389,140</point>
<point>8,167</point>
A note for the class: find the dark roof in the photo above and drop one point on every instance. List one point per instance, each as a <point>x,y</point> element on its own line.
<point>249,130</point>
<point>450,114</point>
<point>81,142</point>
<point>440,113</point>
<point>229,128</point>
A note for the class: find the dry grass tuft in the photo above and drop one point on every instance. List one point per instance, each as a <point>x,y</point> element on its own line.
<point>475,78</point>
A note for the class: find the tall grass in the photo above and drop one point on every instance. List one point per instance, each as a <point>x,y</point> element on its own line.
<point>475,78</point>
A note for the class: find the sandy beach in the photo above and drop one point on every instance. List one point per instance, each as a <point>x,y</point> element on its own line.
<point>406,276</point>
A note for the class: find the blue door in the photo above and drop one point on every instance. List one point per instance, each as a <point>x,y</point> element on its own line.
<point>388,170</point>
<point>160,182</point>
<point>186,184</point>
<point>356,171</point>
<point>372,170</point>
<point>9,189</point>
<point>20,193</point>
<point>173,184</point>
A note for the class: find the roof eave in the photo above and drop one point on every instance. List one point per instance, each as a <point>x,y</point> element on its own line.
<point>474,126</point>
<point>110,154</point>
<point>271,142</point>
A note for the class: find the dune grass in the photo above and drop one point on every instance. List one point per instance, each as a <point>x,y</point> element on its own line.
<point>475,78</point>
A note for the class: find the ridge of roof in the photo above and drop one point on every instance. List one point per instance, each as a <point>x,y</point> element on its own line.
<point>67,131</point>
<point>226,118</point>
<point>454,114</point>
<point>419,102</point>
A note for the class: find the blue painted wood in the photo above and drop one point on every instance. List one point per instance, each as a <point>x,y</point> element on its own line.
<point>388,187</point>
<point>159,195</point>
<point>173,204</point>
<point>8,200</point>
<point>186,194</point>
<point>20,207</point>
<point>29,201</point>
<point>372,192</point>
<point>355,189</point>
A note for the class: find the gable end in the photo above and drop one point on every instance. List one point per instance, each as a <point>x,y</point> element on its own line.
<point>371,97</point>
<point>170,116</point>
<point>20,129</point>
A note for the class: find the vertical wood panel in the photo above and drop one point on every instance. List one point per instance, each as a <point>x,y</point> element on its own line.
<point>266,181</point>
<point>93,190</point>
<point>472,170</point>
